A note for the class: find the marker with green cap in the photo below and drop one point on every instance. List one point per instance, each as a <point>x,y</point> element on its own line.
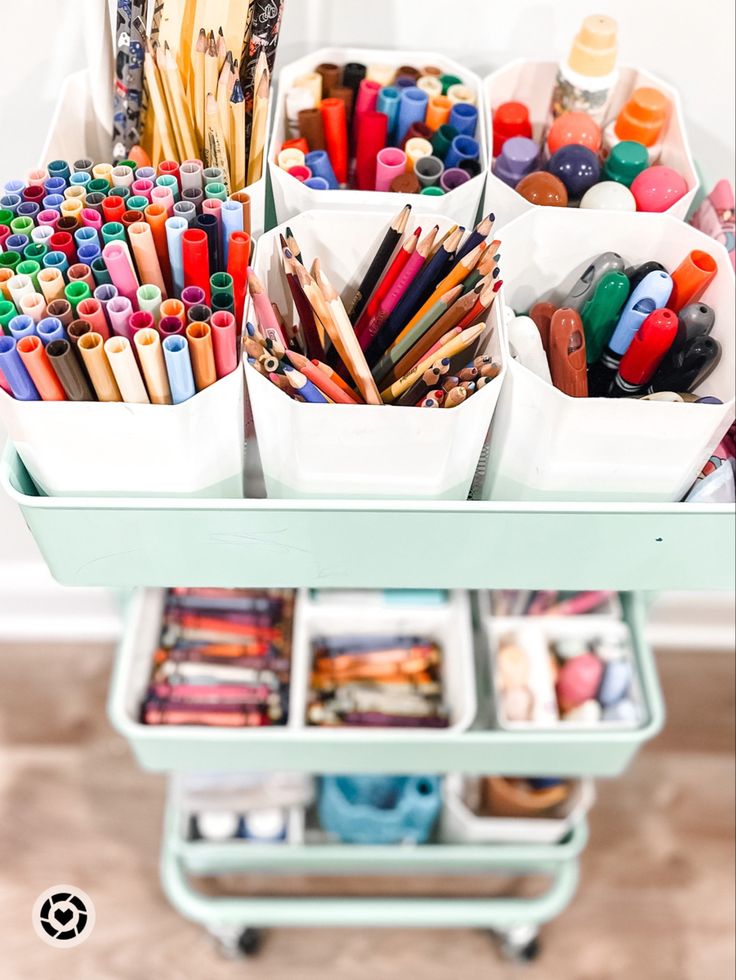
<point>75,292</point>
<point>7,312</point>
<point>626,160</point>
<point>29,268</point>
<point>10,260</point>
<point>442,140</point>
<point>432,191</point>
<point>112,231</point>
<point>99,271</point>
<point>447,81</point>
<point>601,313</point>
<point>6,217</point>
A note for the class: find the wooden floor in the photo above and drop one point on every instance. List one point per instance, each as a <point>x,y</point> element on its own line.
<point>656,900</point>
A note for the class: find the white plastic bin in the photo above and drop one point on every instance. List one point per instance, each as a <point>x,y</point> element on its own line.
<point>532,82</point>
<point>190,748</point>
<point>546,445</point>
<point>460,823</point>
<point>195,448</point>
<point>318,450</point>
<point>291,197</point>
<point>448,624</point>
<point>534,637</point>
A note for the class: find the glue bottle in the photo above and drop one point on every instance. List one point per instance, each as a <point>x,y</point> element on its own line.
<point>586,79</point>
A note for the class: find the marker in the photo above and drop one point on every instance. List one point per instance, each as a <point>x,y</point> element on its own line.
<point>567,353</point>
<point>542,314</point>
<point>602,311</point>
<point>694,320</point>
<point>687,368</point>
<point>583,289</point>
<point>646,351</point>
<point>636,273</point>
<point>651,294</point>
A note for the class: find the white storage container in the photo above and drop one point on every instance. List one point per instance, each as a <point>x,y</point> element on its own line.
<point>449,625</point>
<point>322,450</point>
<point>546,445</point>
<point>291,197</point>
<point>195,448</point>
<point>535,637</point>
<point>532,82</point>
<point>460,823</point>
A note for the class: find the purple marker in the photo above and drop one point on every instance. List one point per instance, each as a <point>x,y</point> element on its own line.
<point>519,157</point>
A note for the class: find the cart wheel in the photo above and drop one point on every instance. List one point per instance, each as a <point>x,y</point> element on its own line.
<point>250,942</point>
<point>237,943</point>
<point>518,945</point>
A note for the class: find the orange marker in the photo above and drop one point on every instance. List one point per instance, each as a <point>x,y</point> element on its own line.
<point>36,362</point>
<point>691,278</point>
<point>567,363</point>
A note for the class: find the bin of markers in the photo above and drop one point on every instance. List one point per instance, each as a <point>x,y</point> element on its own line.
<point>363,450</point>
<point>549,444</point>
<point>579,162</point>
<point>379,809</point>
<point>117,376</point>
<point>342,123</point>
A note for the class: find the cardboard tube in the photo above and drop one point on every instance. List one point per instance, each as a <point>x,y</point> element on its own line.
<point>62,309</point>
<point>438,111</point>
<point>119,311</point>
<point>201,352</point>
<point>244,199</point>
<point>141,240</point>
<point>43,376</point>
<point>156,215</point>
<point>336,136</point>
<point>168,326</point>
<point>431,85</point>
<point>125,369</point>
<point>415,149</point>
<point>91,347</point>
<point>312,129</point>
<point>371,140</point>
<point>330,75</point>
<point>81,273</point>
<point>237,263</point>
<point>195,254</point>
<point>91,310</point>
<point>175,308</point>
<point>179,368</point>
<point>76,330</point>
<point>148,344</point>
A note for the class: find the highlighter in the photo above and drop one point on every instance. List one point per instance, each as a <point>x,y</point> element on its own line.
<point>646,351</point>
<point>584,288</point>
<point>689,367</point>
<point>602,311</point>
<point>567,353</point>
<point>651,294</point>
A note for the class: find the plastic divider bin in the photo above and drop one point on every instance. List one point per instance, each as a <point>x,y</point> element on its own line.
<point>532,82</point>
<point>461,824</point>
<point>448,624</point>
<point>168,747</point>
<point>548,446</point>
<point>195,448</point>
<point>291,197</point>
<point>310,450</point>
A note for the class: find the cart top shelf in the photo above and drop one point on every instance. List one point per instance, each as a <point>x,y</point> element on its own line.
<point>254,542</point>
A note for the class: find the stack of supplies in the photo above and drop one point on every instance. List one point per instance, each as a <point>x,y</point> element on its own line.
<point>224,659</point>
<point>371,681</point>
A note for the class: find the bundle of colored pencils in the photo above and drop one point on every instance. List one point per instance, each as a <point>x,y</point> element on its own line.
<point>376,681</point>
<point>224,659</point>
<point>411,334</point>
<point>207,88</point>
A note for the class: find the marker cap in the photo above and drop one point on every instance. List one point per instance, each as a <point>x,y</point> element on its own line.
<point>626,161</point>
<point>593,51</point>
<point>643,117</point>
<point>510,119</point>
<point>650,343</point>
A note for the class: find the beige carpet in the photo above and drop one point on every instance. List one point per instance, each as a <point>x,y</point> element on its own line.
<point>656,899</point>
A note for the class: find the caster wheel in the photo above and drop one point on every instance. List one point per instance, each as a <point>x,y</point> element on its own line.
<point>519,945</point>
<point>250,942</point>
<point>234,943</point>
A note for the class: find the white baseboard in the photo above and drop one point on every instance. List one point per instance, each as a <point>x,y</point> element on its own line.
<point>34,608</point>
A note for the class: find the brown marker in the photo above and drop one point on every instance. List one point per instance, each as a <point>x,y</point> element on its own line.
<point>567,354</point>
<point>542,314</point>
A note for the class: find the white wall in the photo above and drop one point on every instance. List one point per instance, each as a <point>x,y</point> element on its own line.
<point>697,56</point>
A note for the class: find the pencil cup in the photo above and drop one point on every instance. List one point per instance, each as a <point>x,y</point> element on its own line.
<point>292,197</point>
<point>549,446</point>
<point>326,450</point>
<point>532,83</point>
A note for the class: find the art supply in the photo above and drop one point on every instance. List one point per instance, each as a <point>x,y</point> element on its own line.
<point>585,79</point>
<point>624,325</point>
<point>223,659</point>
<point>408,321</point>
<point>392,127</point>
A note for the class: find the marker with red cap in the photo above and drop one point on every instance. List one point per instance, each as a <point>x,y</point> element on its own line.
<point>510,119</point>
<point>645,352</point>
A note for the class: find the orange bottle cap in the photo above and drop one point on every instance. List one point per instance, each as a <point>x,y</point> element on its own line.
<point>643,116</point>
<point>593,51</point>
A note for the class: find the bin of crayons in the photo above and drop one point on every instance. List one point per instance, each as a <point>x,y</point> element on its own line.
<point>223,659</point>
<point>119,349</point>
<point>501,810</point>
<point>379,809</point>
<point>637,315</point>
<point>636,158</point>
<point>548,673</point>
<point>383,667</point>
<point>515,603</point>
<point>359,410</point>
<point>353,127</point>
